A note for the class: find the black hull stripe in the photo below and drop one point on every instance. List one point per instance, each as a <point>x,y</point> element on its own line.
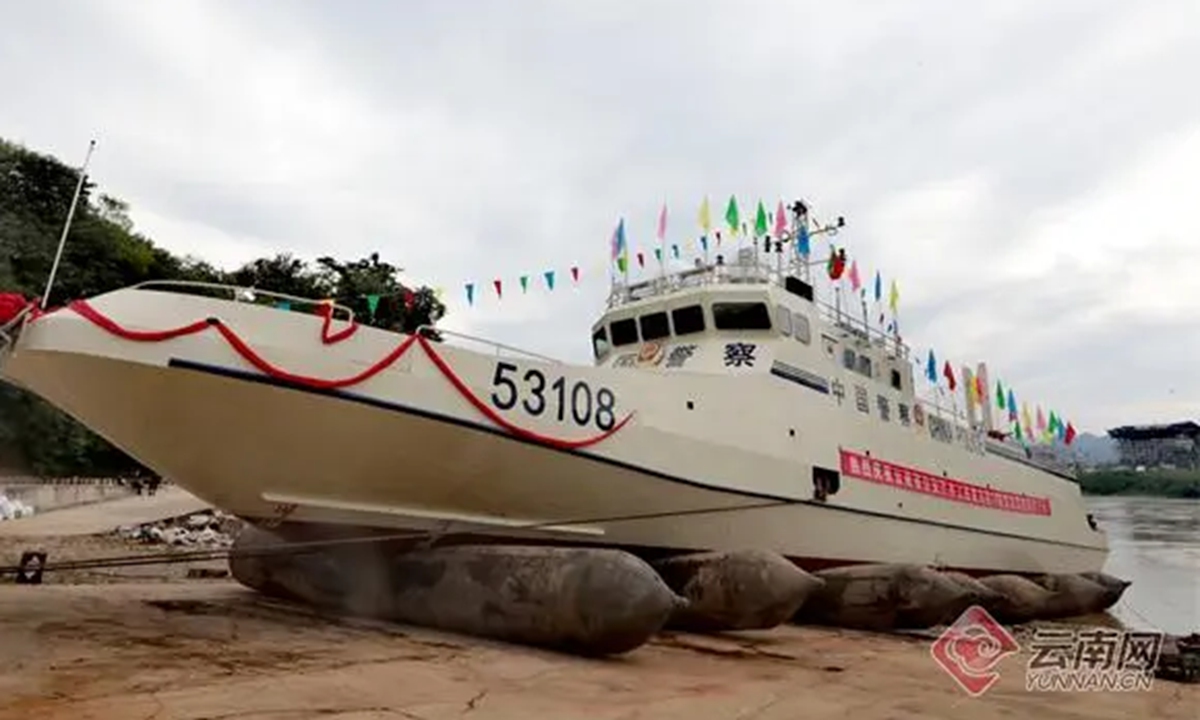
<point>247,376</point>
<point>800,377</point>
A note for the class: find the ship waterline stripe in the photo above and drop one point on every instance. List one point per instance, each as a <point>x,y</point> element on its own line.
<point>248,376</point>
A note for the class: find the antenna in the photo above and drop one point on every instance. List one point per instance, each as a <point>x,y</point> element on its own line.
<point>62,241</point>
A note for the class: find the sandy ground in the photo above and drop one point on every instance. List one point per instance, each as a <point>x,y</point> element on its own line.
<point>145,643</point>
<point>212,650</point>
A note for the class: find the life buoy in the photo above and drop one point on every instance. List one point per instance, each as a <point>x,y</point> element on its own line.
<point>919,415</point>
<point>650,354</point>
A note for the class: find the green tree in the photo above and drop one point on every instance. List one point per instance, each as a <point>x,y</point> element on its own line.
<point>283,274</point>
<point>103,253</point>
<point>371,288</point>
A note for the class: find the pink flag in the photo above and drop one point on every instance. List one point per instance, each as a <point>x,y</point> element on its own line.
<point>781,224</point>
<point>662,222</point>
<point>854,282</point>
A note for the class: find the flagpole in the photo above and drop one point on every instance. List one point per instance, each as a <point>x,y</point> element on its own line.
<point>866,324</point>
<point>662,245</point>
<point>62,241</point>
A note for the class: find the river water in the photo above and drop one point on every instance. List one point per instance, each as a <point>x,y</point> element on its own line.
<point>1154,542</point>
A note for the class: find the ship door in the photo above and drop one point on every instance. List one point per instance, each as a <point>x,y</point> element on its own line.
<point>826,482</point>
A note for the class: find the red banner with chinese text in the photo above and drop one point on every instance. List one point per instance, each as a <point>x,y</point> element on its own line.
<point>864,467</point>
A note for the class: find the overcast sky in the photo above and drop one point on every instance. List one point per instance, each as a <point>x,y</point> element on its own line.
<point>1028,171</point>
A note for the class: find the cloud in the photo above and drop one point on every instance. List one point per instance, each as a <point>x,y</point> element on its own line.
<point>1026,172</point>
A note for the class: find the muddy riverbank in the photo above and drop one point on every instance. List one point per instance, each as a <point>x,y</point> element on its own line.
<point>211,649</point>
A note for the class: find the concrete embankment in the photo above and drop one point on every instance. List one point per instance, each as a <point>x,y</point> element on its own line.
<point>100,517</point>
<point>46,495</point>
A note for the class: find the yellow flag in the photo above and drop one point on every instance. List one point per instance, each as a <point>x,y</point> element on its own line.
<point>894,297</point>
<point>705,217</point>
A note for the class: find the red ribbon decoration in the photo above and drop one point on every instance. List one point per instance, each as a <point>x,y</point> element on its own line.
<point>89,313</point>
<point>327,313</point>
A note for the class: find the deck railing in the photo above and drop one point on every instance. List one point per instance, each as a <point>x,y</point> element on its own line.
<point>247,295</point>
<point>255,296</point>
<point>498,348</point>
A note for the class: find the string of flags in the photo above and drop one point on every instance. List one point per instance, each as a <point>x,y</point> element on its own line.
<point>547,280</point>
<point>767,226</point>
<point>1025,426</point>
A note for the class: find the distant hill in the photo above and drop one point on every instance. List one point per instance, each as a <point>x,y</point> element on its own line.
<point>1096,450</point>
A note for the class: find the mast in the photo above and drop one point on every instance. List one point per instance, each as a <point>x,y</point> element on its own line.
<point>62,240</point>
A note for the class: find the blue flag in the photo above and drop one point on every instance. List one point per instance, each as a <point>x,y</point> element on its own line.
<point>878,286</point>
<point>619,247</point>
<point>931,368</point>
<point>1012,405</point>
<point>802,244</point>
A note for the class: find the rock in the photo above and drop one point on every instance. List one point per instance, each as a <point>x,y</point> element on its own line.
<point>743,590</point>
<point>1071,596</point>
<point>1114,588</point>
<point>203,529</point>
<point>200,520</point>
<point>1021,600</point>
<point>886,597</point>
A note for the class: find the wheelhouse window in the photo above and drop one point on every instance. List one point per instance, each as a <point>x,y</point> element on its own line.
<point>654,326</point>
<point>800,328</point>
<point>783,317</point>
<point>848,358</point>
<point>741,316</point>
<point>600,346</point>
<point>896,381</point>
<point>688,320</point>
<point>623,332</point>
<point>864,366</point>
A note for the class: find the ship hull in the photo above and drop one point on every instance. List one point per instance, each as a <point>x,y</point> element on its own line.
<point>408,450</point>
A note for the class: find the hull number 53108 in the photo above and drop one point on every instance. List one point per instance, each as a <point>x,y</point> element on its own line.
<point>537,395</point>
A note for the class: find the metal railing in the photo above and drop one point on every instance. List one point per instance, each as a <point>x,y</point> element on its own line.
<point>959,422</point>
<point>497,347</point>
<point>248,294</point>
<point>254,295</point>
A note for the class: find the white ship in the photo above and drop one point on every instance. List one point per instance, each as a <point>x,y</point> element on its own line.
<point>727,408</point>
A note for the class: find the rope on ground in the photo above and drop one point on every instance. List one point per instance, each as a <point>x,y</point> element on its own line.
<point>309,546</point>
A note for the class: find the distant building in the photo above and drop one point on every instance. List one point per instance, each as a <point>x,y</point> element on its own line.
<point>1176,445</point>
